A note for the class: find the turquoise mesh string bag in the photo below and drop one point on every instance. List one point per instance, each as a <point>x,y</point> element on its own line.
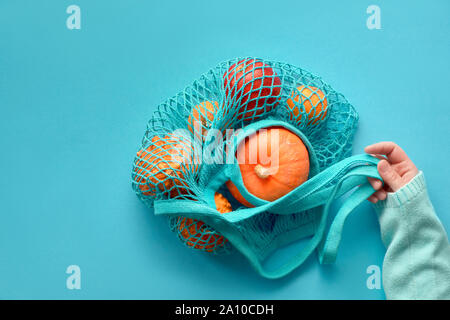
<point>189,154</point>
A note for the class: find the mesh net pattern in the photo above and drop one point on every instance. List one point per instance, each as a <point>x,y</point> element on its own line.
<point>195,234</point>
<point>229,96</point>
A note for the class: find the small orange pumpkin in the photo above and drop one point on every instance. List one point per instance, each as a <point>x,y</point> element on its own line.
<point>203,113</point>
<point>312,100</point>
<point>164,164</point>
<point>196,233</point>
<point>270,181</point>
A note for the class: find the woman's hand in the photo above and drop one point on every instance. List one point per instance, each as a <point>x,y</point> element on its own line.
<point>395,168</point>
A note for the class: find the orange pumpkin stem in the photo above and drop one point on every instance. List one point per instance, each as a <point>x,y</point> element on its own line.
<point>262,172</point>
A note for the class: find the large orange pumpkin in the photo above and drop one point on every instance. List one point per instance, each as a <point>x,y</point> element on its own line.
<point>312,100</point>
<point>204,114</point>
<point>287,168</point>
<point>196,233</point>
<point>163,165</point>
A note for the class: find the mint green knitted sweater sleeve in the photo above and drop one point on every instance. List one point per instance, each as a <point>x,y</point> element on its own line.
<point>417,261</point>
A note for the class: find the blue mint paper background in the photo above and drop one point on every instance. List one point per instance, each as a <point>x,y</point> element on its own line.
<point>74,105</point>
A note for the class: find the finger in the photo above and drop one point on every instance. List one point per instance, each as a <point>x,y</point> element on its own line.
<point>389,175</point>
<point>373,199</point>
<point>392,151</point>
<point>378,156</point>
<point>375,183</point>
<point>377,195</point>
<point>380,195</point>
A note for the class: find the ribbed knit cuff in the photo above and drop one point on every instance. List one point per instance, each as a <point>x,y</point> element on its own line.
<point>406,193</point>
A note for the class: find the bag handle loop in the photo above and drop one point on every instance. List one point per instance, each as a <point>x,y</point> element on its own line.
<point>327,248</point>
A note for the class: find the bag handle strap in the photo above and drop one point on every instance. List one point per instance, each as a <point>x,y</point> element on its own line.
<point>328,247</point>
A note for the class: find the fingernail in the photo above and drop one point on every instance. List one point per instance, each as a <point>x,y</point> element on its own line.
<point>383,166</point>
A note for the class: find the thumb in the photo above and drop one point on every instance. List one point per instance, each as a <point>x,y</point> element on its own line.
<point>389,175</point>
